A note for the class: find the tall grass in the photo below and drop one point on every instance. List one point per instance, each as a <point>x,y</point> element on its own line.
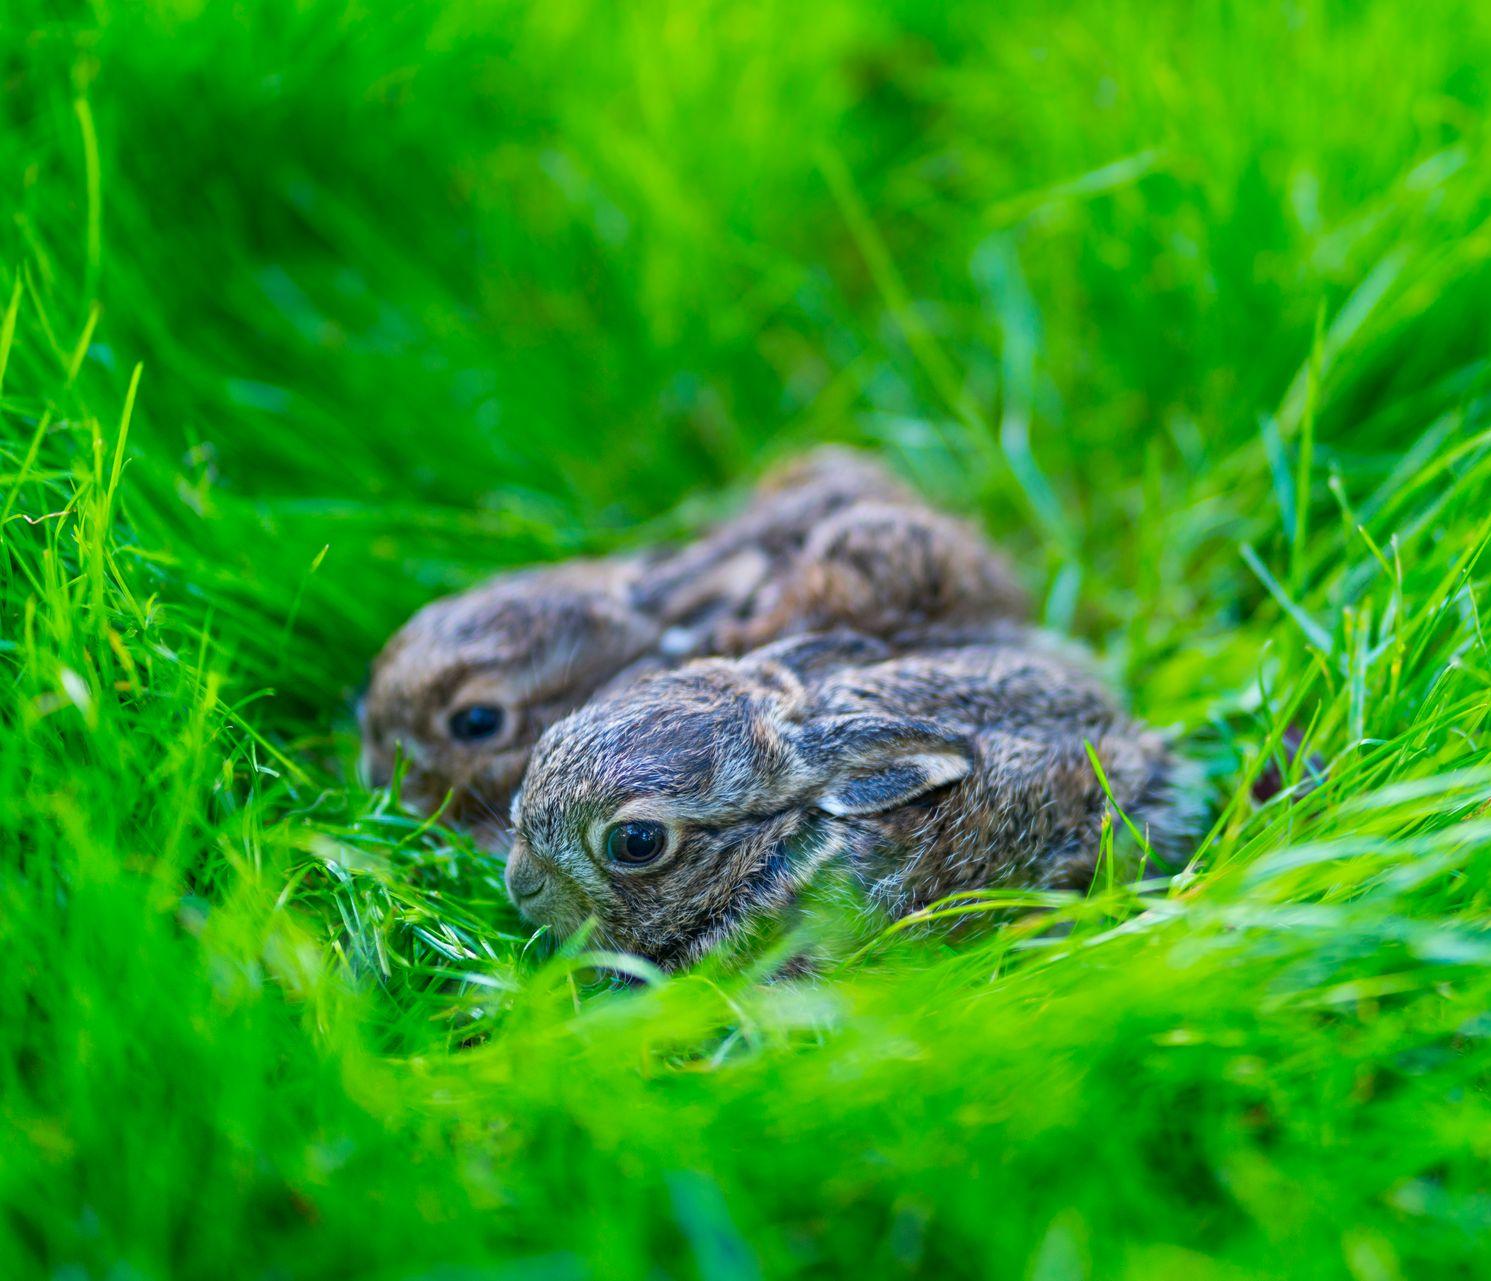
<point>313,310</point>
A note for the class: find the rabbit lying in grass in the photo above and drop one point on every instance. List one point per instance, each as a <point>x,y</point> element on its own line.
<point>468,685</point>
<point>685,807</point>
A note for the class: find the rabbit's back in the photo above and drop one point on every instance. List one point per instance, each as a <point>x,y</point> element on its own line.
<point>1016,683</point>
<point>729,562</point>
<point>1031,809</point>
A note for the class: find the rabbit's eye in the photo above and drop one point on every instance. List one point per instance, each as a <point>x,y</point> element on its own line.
<point>635,843</point>
<point>474,723</point>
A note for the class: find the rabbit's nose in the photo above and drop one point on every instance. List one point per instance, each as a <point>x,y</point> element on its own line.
<point>525,878</point>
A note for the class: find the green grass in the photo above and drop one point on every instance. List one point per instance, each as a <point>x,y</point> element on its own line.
<point>317,310</point>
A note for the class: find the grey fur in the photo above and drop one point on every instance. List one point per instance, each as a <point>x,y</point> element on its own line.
<point>831,540</point>
<point>958,765</point>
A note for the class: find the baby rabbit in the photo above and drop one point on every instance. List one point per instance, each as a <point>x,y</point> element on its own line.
<point>831,540</point>
<point>694,802</point>
<point>468,685</point>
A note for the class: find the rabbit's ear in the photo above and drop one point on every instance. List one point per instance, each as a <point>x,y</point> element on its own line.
<point>865,764</point>
<point>806,656</point>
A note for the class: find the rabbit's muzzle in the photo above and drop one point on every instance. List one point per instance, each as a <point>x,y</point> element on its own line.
<point>526,880</point>
<point>542,893</point>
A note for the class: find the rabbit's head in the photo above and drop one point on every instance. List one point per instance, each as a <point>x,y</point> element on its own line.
<point>696,801</point>
<point>465,688</point>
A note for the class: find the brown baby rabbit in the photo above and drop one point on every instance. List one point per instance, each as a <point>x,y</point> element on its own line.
<point>681,809</point>
<point>468,685</point>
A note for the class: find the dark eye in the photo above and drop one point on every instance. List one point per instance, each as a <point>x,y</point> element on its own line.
<point>474,723</point>
<point>635,843</point>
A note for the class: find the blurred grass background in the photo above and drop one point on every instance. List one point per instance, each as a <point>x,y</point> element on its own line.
<point>318,309</point>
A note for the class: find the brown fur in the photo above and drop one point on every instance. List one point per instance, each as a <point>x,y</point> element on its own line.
<point>831,540</point>
<point>957,766</point>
